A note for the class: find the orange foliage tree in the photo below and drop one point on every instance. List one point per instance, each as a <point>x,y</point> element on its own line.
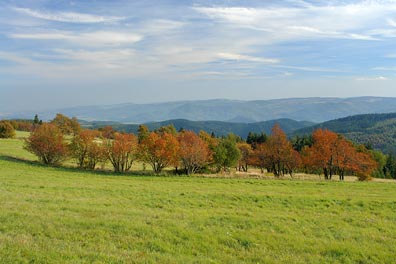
<point>333,154</point>
<point>246,156</point>
<point>277,154</point>
<point>122,151</point>
<point>194,152</point>
<point>107,132</point>
<point>47,143</point>
<point>160,150</point>
<point>87,149</point>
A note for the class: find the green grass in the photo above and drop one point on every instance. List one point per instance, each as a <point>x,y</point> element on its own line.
<point>62,215</point>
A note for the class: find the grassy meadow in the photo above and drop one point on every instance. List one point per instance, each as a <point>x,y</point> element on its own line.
<point>63,215</point>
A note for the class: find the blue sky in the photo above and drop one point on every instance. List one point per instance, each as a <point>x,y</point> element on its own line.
<point>68,53</point>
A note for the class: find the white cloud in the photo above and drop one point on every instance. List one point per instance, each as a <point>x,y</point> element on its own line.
<point>378,78</point>
<point>351,21</point>
<point>160,26</point>
<point>239,57</point>
<point>384,69</point>
<point>70,17</point>
<point>391,22</point>
<point>307,69</point>
<point>114,55</point>
<point>96,38</point>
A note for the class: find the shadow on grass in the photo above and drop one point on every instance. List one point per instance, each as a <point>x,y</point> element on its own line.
<point>78,170</point>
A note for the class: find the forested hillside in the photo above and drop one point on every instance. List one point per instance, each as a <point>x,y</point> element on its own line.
<point>376,130</point>
<point>217,127</point>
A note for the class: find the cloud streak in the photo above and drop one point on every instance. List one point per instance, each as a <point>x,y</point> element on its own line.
<point>350,21</point>
<point>68,17</point>
<point>239,57</point>
<point>96,38</point>
<point>378,78</point>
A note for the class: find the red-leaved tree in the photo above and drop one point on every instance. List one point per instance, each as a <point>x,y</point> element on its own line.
<point>194,152</point>
<point>122,151</point>
<point>47,143</point>
<point>160,150</point>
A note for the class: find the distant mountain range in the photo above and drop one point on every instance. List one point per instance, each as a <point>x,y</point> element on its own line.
<point>302,109</point>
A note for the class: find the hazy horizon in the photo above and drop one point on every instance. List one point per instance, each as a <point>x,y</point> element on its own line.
<point>67,54</point>
<point>44,109</point>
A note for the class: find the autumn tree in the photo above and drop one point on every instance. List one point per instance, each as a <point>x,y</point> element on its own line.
<point>67,125</point>
<point>194,152</point>
<point>246,156</point>
<point>211,141</point>
<point>332,154</point>
<point>160,150</point>
<point>47,143</point>
<point>226,154</point>
<point>107,132</point>
<point>6,129</point>
<point>321,156</point>
<point>122,151</point>
<point>259,157</point>
<point>281,157</point>
<point>22,125</point>
<point>87,150</point>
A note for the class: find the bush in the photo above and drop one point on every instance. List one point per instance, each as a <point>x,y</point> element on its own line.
<point>47,143</point>
<point>6,129</point>
<point>87,150</point>
<point>364,177</point>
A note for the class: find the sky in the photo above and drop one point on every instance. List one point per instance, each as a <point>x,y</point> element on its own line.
<point>67,53</point>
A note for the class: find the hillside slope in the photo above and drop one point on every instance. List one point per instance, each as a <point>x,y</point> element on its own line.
<point>378,130</point>
<point>217,127</point>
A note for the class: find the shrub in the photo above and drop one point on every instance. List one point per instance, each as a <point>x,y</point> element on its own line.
<point>47,143</point>
<point>6,129</point>
<point>122,152</point>
<point>87,150</point>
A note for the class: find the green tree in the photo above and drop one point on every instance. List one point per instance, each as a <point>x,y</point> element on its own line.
<point>36,120</point>
<point>390,167</point>
<point>67,125</point>
<point>170,129</point>
<point>143,133</point>
<point>226,154</point>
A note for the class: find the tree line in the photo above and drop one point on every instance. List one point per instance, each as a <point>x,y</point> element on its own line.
<point>323,152</point>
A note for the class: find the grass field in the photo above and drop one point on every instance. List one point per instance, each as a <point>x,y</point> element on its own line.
<point>62,215</point>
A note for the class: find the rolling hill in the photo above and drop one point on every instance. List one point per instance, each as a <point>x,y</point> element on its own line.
<point>311,109</point>
<point>378,130</point>
<point>217,127</point>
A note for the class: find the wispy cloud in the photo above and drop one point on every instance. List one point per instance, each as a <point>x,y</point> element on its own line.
<point>240,57</point>
<point>378,78</point>
<point>391,22</point>
<point>350,21</point>
<point>96,38</point>
<point>384,69</point>
<point>69,17</point>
